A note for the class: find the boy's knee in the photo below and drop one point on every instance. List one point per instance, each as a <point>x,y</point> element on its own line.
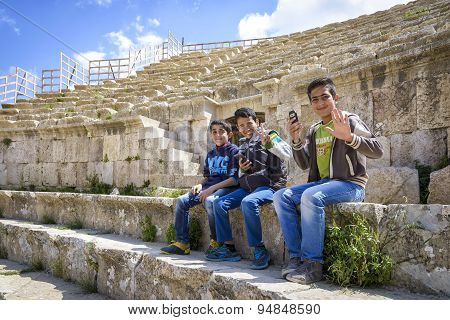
<point>248,203</point>
<point>312,198</point>
<point>280,196</point>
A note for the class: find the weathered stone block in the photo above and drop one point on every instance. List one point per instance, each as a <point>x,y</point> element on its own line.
<point>129,145</point>
<point>433,100</point>
<point>14,174</point>
<point>269,90</point>
<point>68,174</point>
<point>395,109</point>
<point>427,147</point>
<point>22,152</point>
<point>360,103</point>
<point>108,172</point>
<point>180,111</point>
<point>3,175</point>
<point>45,150</point>
<point>81,173</point>
<point>59,150</point>
<point>385,160</point>
<point>50,174</point>
<point>392,185</point>
<point>439,186</point>
<point>32,174</point>
<point>95,149</point>
<point>111,147</point>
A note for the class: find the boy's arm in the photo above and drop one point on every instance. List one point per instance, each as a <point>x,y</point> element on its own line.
<point>301,151</point>
<point>364,141</point>
<point>278,146</point>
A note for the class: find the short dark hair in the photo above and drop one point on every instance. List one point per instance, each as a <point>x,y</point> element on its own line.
<point>245,113</point>
<point>222,123</point>
<point>322,82</point>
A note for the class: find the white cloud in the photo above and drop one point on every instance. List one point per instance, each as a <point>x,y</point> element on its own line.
<point>153,22</point>
<point>294,16</point>
<point>137,24</point>
<point>149,39</point>
<point>121,42</point>
<point>4,18</point>
<point>89,55</point>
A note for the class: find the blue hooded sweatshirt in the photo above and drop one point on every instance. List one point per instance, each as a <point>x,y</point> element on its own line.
<point>219,165</point>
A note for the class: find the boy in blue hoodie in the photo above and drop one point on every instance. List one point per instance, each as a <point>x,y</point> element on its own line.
<point>220,175</point>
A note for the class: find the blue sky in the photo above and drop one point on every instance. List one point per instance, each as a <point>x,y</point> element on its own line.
<point>107,28</point>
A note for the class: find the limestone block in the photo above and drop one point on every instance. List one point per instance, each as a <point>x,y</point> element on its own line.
<point>45,150</point>
<point>427,147</point>
<point>159,113</point>
<point>94,168</point>
<point>392,185</point>
<point>395,109</point>
<point>180,110</point>
<point>2,152</point>
<point>200,136</point>
<point>95,149</point>
<point>68,174</point>
<point>134,174</point>
<point>83,149</point>
<point>121,174</point>
<point>32,174</point>
<point>59,150</point>
<point>111,147</point>
<point>269,90</point>
<point>360,103</point>
<point>77,149</point>
<point>22,152</point>
<point>108,172</point>
<point>203,108</point>
<point>81,173</point>
<point>3,175</point>
<point>385,160</point>
<point>421,243</point>
<point>296,175</point>
<point>182,131</point>
<point>307,116</point>
<point>439,186</point>
<point>129,145</point>
<point>50,174</point>
<point>14,174</point>
<point>433,101</point>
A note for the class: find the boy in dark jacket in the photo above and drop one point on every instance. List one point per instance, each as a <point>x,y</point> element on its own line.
<point>335,151</point>
<point>262,172</point>
<point>220,175</point>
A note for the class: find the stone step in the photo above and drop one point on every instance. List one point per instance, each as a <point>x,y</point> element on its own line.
<point>420,254</point>
<point>125,268</point>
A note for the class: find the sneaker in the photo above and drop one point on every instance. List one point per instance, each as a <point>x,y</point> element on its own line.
<point>176,248</point>
<point>261,258</point>
<point>223,253</point>
<point>294,264</point>
<point>213,245</point>
<point>308,272</point>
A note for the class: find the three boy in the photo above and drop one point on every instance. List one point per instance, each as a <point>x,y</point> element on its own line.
<point>335,152</point>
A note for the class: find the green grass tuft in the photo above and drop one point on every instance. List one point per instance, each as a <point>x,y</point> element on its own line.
<point>170,233</point>
<point>148,229</point>
<point>195,233</point>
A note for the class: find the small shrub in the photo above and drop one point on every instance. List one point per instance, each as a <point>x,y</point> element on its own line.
<point>128,159</point>
<point>88,286</point>
<point>170,233</point>
<point>148,230</point>
<point>146,184</point>
<point>57,268</point>
<point>105,158</point>
<point>95,186</point>
<point>108,117</point>
<point>1,213</point>
<point>36,266</point>
<point>91,258</point>
<point>173,193</point>
<point>59,99</point>
<point>75,224</point>
<point>353,256</point>
<point>195,233</point>
<point>3,253</point>
<point>415,13</point>
<point>137,157</point>
<point>47,219</point>
<point>130,190</point>
<point>7,142</point>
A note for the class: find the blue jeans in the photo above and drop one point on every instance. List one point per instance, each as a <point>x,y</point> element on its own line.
<point>304,237</point>
<point>249,203</point>
<point>187,201</point>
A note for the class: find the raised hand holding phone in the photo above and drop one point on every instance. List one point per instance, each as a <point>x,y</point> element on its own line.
<point>294,126</point>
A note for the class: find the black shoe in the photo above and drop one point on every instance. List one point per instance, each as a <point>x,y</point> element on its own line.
<point>308,272</point>
<point>176,248</point>
<point>294,264</point>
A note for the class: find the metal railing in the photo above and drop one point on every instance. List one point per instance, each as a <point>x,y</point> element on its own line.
<point>112,69</point>
<point>21,84</point>
<point>209,46</point>
<point>72,72</point>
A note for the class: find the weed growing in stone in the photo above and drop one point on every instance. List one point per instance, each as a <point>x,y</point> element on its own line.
<point>424,177</point>
<point>416,13</point>
<point>75,224</point>
<point>195,233</point>
<point>130,190</point>
<point>148,229</point>
<point>7,142</point>
<point>88,286</point>
<point>36,266</point>
<point>170,233</point>
<point>173,193</point>
<point>91,258</point>
<point>10,273</point>
<point>105,158</point>
<point>1,213</point>
<point>3,253</point>
<point>95,186</point>
<point>57,268</point>
<point>47,219</point>
<point>129,159</point>
<point>353,255</point>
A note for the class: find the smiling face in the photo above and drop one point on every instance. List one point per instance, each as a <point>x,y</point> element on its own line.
<point>323,102</point>
<point>247,126</point>
<point>219,135</point>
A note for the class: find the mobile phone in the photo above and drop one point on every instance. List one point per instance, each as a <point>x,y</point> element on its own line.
<point>241,156</point>
<point>293,115</point>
